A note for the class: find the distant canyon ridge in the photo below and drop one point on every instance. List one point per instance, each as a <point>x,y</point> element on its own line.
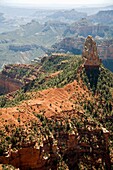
<point>27,35</point>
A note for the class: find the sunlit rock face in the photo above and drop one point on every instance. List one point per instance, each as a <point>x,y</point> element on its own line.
<point>90,54</point>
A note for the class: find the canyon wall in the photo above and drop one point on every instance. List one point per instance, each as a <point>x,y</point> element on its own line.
<point>63,148</point>
<point>8,85</point>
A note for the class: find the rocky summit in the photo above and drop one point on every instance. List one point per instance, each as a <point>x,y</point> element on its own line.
<point>90,53</point>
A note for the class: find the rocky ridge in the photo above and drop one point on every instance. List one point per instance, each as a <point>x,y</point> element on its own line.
<point>51,134</point>
<point>67,125</point>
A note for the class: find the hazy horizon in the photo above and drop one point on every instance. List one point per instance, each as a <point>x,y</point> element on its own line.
<point>56,3</point>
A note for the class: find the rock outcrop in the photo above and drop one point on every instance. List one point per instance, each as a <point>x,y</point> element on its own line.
<point>71,146</point>
<point>13,77</point>
<point>90,54</point>
<point>8,85</point>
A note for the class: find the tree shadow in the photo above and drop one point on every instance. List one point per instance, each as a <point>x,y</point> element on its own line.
<point>93,75</point>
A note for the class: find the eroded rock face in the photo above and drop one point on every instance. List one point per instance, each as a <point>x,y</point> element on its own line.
<point>8,85</point>
<point>42,141</point>
<point>105,49</point>
<point>28,158</point>
<point>13,77</point>
<point>71,147</point>
<point>90,54</point>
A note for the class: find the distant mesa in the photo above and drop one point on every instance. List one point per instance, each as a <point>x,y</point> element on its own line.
<point>90,54</point>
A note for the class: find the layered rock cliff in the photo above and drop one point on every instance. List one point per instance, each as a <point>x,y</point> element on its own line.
<point>13,77</point>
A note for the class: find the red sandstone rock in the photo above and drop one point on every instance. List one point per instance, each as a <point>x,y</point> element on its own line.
<point>90,53</point>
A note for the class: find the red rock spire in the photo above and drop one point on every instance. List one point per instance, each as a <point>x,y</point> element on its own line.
<point>90,53</point>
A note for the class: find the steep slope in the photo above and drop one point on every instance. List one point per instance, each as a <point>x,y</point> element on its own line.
<point>63,116</point>
<point>15,76</point>
<point>59,114</point>
<point>103,17</point>
<point>65,126</point>
<point>39,76</point>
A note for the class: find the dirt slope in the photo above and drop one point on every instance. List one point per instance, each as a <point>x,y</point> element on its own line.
<point>48,102</point>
